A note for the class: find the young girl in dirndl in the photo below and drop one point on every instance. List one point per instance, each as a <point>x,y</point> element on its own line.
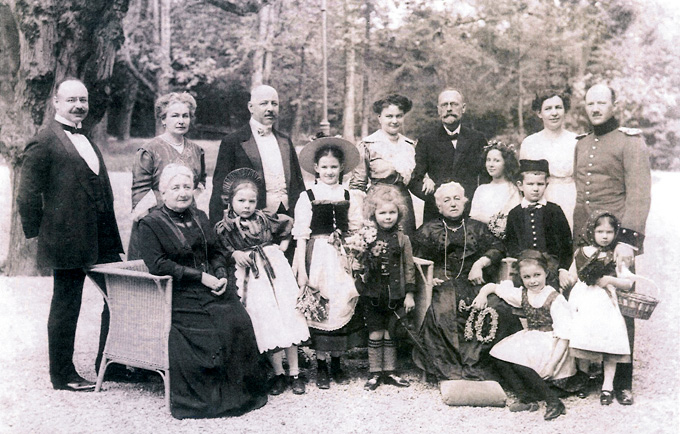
<point>322,220</point>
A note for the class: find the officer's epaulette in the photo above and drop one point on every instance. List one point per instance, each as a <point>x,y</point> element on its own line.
<point>580,136</point>
<point>410,142</point>
<point>630,131</point>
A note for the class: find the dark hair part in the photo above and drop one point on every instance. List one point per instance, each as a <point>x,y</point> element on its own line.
<point>541,97</point>
<point>400,101</point>
<point>332,151</point>
<point>510,161</point>
<point>381,193</point>
<point>613,221</point>
<point>165,101</point>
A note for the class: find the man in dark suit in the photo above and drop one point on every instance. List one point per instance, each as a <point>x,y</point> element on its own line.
<point>453,152</point>
<point>65,199</point>
<point>267,151</point>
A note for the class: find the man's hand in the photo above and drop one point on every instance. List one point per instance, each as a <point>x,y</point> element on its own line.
<point>428,185</point>
<point>624,255</point>
<point>409,303</point>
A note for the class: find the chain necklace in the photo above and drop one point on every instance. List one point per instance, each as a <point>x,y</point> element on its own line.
<point>446,245</point>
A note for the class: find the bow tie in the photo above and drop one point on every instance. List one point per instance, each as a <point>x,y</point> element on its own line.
<point>264,131</point>
<point>453,136</point>
<point>73,130</point>
<point>534,206</point>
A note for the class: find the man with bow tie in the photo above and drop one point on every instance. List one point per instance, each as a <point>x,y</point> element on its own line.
<point>537,224</point>
<point>452,152</point>
<point>264,149</point>
<point>65,199</point>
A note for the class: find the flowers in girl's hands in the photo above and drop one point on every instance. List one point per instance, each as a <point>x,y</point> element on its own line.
<point>358,243</point>
<point>497,224</point>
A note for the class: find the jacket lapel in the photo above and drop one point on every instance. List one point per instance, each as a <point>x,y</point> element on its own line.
<point>250,148</point>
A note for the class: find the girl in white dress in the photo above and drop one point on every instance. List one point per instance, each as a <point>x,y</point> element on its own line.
<point>322,219</point>
<point>261,274</point>
<point>599,331</point>
<point>540,352</point>
<point>492,202</point>
<point>555,144</point>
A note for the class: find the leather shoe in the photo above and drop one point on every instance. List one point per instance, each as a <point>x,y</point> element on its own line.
<point>279,385</point>
<point>395,380</point>
<point>606,397</point>
<point>523,406</point>
<point>373,381</point>
<point>322,380</point>
<point>76,384</point>
<point>298,385</point>
<point>554,410</point>
<point>624,397</point>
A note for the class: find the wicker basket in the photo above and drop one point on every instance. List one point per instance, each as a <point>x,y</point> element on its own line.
<point>637,305</point>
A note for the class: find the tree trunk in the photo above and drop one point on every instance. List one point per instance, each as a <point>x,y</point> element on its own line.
<point>348,113</point>
<point>366,73</point>
<point>57,39</point>
<point>123,130</point>
<point>262,55</point>
<point>296,130</point>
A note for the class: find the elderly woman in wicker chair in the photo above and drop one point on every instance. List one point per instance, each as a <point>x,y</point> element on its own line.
<point>214,358</point>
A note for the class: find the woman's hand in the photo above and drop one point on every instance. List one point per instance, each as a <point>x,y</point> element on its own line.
<point>476,275</point>
<point>284,245</point>
<point>222,288</point>
<point>409,302</point>
<point>437,281</point>
<point>211,281</point>
<point>242,258</point>
<point>302,277</point>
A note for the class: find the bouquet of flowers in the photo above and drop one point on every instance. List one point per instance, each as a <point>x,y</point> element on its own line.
<point>361,247</point>
<point>497,224</point>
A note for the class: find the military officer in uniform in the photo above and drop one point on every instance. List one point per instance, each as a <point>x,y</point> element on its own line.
<point>612,173</point>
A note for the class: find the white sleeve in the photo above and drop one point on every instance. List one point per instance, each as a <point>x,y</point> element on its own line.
<point>507,291</point>
<point>561,315</point>
<point>303,218</point>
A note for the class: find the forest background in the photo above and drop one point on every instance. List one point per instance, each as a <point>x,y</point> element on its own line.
<point>499,53</point>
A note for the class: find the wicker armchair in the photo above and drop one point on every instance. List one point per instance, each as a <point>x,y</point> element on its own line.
<point>141,314</point>
<point>423,297</point>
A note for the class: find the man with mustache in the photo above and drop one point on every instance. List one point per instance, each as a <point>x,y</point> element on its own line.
<point>264,149</point>
<point>452,152</point>
<point>612,173</point>
<point>65,199</point>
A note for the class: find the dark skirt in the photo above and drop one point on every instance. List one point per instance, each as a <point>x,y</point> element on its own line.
<point>450,355</point>
<point>351,335</point>
<point>216,368</point>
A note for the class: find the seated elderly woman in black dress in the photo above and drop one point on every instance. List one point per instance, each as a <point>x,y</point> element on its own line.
<point>214,360</point>
<point>465,255</point>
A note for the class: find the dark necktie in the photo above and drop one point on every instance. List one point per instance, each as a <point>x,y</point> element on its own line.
<point>453,136</point>
<point>73,130</point>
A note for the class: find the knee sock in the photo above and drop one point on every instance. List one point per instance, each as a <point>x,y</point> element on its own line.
<point>389,355</point>
<point>292,356</point>
<point>276,359</point>
<point>375,355</point>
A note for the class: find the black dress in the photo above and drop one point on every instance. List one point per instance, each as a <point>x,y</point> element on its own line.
<point>452,355</point>
<point>214,362</point>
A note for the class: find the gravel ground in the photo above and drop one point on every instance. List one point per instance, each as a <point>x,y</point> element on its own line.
<point>28,404</point>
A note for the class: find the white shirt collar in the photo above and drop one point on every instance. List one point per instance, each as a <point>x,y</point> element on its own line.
<point>456,131</point>
<point>63,120</point>
<point>542,202</point>
<point>256,125</point>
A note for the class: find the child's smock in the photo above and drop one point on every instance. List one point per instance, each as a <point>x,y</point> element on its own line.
<point>268,290</point>
<point>598,326</point>
<point>534,347</point>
